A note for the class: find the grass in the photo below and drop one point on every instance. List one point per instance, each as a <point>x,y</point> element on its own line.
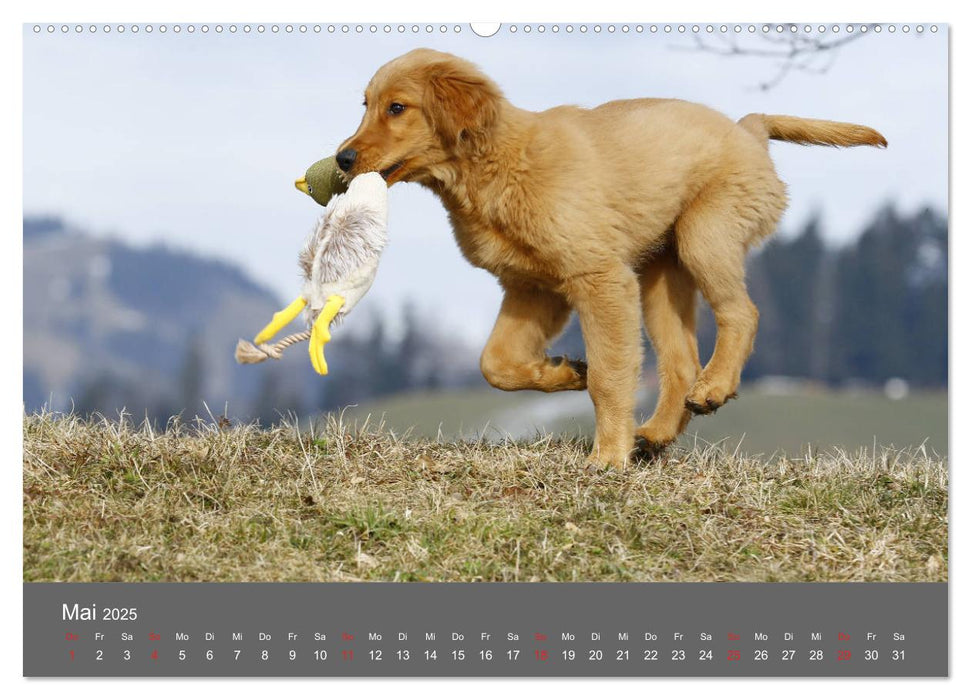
<point>108,500</point>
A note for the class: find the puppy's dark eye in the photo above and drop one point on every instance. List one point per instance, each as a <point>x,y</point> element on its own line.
<point>396,108</point>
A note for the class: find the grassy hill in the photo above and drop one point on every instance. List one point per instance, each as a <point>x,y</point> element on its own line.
<point>111,501</point>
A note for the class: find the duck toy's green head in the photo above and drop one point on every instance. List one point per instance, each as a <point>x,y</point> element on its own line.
<point>322,181</point>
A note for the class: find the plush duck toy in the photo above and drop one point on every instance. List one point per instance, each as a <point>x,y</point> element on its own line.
<point>339,264</point>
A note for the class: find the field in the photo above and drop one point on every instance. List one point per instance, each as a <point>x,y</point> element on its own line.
<point>758,423</point>
<point>107,500</point>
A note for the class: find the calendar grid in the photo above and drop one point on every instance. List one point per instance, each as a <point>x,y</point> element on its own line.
<point>454,629</point>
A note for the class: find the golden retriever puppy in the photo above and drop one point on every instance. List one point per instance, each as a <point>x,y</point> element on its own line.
<point>621,213</point>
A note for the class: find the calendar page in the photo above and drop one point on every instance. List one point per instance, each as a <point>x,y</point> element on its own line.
<point>491,350</point>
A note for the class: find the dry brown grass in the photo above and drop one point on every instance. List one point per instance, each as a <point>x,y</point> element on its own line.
<point>106,500</point>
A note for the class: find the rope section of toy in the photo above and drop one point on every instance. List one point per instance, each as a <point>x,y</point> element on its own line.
<point>248,353</point>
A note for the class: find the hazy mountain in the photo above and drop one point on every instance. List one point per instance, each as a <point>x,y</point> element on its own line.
<point>107,325</point>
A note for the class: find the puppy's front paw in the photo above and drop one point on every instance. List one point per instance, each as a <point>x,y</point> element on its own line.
<point>660,431</point>
<point>602,459</point>
<point>569,374</point>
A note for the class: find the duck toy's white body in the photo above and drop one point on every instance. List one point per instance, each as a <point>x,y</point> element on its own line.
<point>339,264</point>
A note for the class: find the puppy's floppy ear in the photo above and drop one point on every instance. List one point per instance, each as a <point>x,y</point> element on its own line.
<point>461,102</point>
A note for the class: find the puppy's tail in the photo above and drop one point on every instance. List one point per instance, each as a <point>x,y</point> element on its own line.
<point>810,131</point>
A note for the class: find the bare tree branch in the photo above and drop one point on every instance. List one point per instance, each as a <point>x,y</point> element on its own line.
<point>792,49</point>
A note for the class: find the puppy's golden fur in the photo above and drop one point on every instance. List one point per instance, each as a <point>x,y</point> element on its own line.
<point>621,213</point>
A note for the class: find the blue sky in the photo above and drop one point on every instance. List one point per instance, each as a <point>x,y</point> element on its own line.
<point>195,140</point>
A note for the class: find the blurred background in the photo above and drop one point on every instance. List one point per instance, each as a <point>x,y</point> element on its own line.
<point>161,224</point>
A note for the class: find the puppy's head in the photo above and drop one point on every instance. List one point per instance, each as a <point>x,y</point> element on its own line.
<point>421,110</point>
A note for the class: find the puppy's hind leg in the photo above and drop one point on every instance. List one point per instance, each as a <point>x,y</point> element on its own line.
<point>515,357</point>
<point>668,300</point>
<point>712,237</point>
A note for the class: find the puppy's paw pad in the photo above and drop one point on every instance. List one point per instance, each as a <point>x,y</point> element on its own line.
<point>576,370</point>
<point>578,366</point>
<point>703,401</point>
<point>648,450</point>
<point>699,408</point>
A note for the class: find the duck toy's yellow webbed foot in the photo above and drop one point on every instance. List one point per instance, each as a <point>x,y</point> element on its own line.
<point>280,319</point>
<point>320,333</point>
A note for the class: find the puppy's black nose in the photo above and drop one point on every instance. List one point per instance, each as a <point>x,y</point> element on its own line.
<point>345,159</point>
